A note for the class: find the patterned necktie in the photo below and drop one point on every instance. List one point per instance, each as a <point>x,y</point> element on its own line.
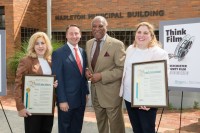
<point>96,54</point>
<point>78,61</point>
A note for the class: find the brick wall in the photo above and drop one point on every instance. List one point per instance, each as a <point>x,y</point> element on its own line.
<point>9,26</point>
<point>21,13</point>
<point>10,47</point>
<point>30,14</point>
<point>175,9</point>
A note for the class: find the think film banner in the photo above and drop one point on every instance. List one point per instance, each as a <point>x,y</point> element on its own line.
<point>181,39</point>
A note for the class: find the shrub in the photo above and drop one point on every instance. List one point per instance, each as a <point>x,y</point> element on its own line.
<point>196,105</point>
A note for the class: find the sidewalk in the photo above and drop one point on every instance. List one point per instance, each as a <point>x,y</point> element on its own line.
<point>190,122</point>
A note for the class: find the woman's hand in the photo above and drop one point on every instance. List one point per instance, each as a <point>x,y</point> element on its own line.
<point>55,84</point>
<point>24,113</point>
<point>144,108</point>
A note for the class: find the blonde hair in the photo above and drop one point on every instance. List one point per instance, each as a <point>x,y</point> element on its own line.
<point>150,27</point>
<point>31,51</point>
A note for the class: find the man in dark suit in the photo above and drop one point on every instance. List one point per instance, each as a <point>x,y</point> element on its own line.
<point>68,64</point>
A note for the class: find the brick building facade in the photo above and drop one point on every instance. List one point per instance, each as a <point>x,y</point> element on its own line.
<point>23,17</point>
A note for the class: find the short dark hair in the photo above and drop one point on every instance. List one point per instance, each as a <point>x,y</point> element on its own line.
<point>73,25</point>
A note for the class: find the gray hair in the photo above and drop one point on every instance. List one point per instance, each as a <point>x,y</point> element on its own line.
<point>102,19</point>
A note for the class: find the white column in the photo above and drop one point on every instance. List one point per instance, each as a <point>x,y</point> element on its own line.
<point>49,19</point>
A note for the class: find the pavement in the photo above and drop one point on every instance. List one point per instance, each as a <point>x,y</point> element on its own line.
<point>170,121</point>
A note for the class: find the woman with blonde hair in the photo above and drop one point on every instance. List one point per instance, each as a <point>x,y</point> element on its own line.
<point>144,48</point>
<point>37,61</point>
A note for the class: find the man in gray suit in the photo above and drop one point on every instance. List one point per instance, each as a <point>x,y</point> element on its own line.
<point>105,57</point>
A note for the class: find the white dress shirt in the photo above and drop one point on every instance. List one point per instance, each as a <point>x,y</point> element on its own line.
<point>46,69</point>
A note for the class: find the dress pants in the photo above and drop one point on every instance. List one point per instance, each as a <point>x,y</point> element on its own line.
<point>71,121</point>
<point>38,124</point>
<point>111,117</point>
<point>142,121</point>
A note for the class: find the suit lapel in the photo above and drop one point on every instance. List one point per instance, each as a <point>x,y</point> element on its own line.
<point>103,51</point>
<point>36,66</point>
<point>89,50</point>
<point>83,57</point>
<point>70,56</point>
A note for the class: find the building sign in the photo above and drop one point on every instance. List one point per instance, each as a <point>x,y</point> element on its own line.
<point>3,63</point>
<point>181,40</point>
<point>112,15</point>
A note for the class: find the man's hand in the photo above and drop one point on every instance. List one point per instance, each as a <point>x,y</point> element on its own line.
<point>88,74</point>
<point>64,106</point>
<point>96,77</point>
<point>24,113</point>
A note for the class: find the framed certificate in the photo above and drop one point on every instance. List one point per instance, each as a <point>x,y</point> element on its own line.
<point>149,84</point>
<point>39,94</point>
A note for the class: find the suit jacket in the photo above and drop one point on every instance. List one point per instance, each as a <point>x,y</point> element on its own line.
<point>72,85</point>
<point>27,65</point>
<point>110,64</point>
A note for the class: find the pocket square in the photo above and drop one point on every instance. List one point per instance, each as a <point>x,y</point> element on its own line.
<point>106,54</point>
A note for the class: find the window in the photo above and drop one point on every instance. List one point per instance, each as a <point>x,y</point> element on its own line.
<point>26,33</point>
<point>2,17</point>
<point>59,36</point>
<point>86,35</point>
<point>127,37</point>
